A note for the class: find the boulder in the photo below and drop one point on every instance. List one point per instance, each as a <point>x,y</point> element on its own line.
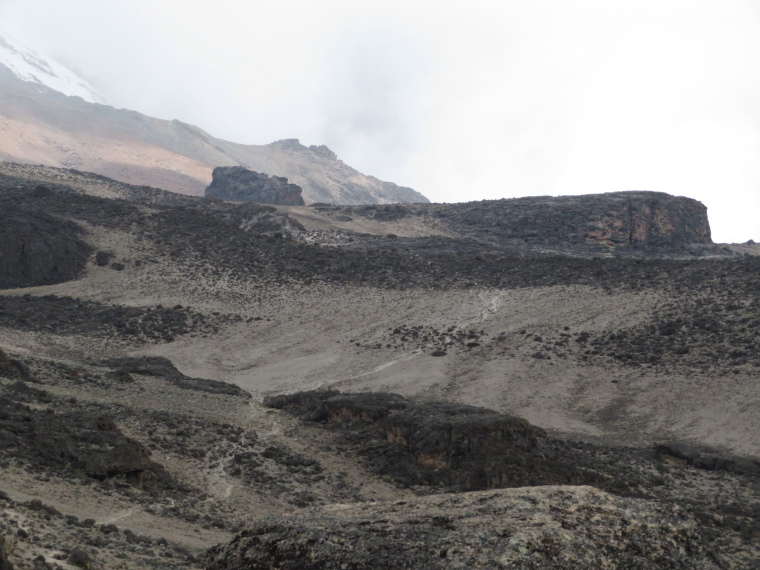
<point>239,184</point>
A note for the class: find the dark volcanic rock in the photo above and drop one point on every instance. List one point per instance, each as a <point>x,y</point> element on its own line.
<point>443,445</point>
<point>587,225</point>
<point>547,527</point>
<point>639,219</point>
<point>4,563</point>
<point>616,219</point>
<point>163,368</point>
<point>64,315</point>
<point>77,441</point>
<point>38,249</point>
<point>239,184</point>
<point>681,454</point>
<point>439,448</point>
<point>12,368</point>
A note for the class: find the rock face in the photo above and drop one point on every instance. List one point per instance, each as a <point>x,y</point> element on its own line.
<point>242,185</point>
<point>616,223</point>
<point>440,445</point>
<point>12,368</point>
<point>632,219</point>
<point>37,248</point>
<point>547,527</point>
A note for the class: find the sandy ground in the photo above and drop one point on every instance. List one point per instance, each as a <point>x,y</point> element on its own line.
<point>308,337</point>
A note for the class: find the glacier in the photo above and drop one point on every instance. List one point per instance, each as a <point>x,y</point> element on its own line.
<point>35,68</point>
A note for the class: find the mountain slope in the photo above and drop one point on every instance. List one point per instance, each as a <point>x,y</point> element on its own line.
<point>31,67</point>
<point>41,124</point>
<point>136,368</point>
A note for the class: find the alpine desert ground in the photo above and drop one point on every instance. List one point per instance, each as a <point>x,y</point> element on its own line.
<point>531,383</point>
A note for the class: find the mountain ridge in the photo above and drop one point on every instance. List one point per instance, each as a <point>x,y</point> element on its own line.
<point>42,125</point>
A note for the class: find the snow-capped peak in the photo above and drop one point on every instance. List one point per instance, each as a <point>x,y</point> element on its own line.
<point>30,66</point>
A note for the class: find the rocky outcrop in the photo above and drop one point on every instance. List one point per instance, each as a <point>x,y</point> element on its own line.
<point>12,368</point>
<point>617,223</point>
<point>242,185</point>
<point>441,445</point>
<point>613,220</point>
<point>547,527</point>
<point>75,442</point>
<point>323,151</point>
<point>163,368</point>
<point>682,454</point>
<point>37,248</point>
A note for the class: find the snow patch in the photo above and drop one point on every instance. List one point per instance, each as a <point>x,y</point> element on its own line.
<point>30,66</point>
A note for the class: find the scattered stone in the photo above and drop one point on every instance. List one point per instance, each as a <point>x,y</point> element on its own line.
<point>546,527</point>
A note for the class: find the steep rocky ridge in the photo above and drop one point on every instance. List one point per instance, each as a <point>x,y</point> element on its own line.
<point>42,126</point>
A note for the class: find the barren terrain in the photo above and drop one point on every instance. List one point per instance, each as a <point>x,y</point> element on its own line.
<point>619,351</point>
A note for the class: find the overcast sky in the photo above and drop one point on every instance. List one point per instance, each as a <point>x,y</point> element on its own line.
<point>459,100</point>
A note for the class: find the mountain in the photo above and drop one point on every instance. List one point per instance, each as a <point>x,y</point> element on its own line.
<point>31,67</point>
<point>543,382</point>
<point>49,116</point>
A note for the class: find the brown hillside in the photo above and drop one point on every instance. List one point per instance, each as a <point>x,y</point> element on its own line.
<point>42,126</point>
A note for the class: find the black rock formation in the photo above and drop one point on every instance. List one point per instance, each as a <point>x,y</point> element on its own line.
<point>74,441</point>
<point>441,445</point>
<point>615,219</point>
<point>161,367</point>
<point>12,368</point>
<point>37,248</point>
<point>239,184</point>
